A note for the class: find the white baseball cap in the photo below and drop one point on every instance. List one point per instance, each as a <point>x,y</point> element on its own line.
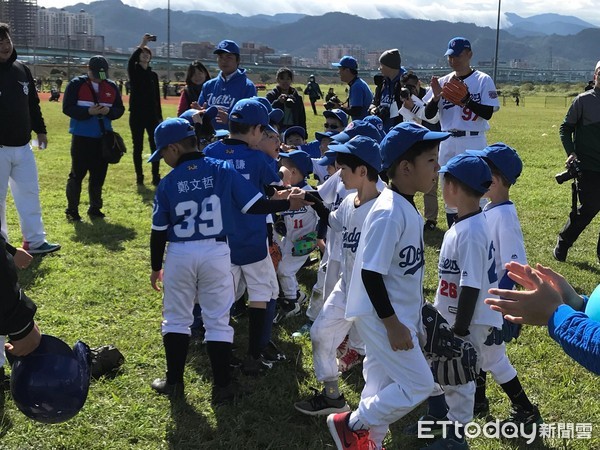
<point>597,66</point>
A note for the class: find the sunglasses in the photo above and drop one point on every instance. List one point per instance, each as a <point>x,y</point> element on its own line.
<point>330,126</point>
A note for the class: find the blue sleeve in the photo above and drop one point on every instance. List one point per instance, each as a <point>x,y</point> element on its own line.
<point>578,335</point>
<point>243,192</point>
<point>505,282</point>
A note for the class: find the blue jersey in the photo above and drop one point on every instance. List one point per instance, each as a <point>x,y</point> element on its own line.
<point>388,98</point>
<point>248,242</point>
<point>198,198</point>
<point>360,95</point>
<point>224,93</point>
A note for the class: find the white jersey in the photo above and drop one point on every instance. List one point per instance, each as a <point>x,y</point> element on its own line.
<point>505,231</point>
<point>391,244</point>
<point>453,117</point>
<point>467,260</point>
<point>347,221</point>
<point>300,222</point>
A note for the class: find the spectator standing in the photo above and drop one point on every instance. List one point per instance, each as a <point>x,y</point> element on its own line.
<point>145,112</point>
<point>88,100</point>
<point>21,114</point>
<point>313,90</point>
<point>387,101</point>
<point>197,74</point>
<point>286,98</point>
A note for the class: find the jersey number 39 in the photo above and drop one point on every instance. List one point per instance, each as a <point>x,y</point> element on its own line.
<point>207,221</point>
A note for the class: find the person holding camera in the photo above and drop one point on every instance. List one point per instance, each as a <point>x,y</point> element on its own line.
<point>313,90</point>
<point>286,98</point>
<point>580,137</point>
<point>359,93</point>
<point>388,96</point>
<point>145,112</point>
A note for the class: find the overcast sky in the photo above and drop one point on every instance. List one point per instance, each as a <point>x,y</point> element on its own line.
<point>475,11</point>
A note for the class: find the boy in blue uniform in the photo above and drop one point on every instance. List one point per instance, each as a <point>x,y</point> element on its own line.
<point>193,210</point>
<point>252,267</point>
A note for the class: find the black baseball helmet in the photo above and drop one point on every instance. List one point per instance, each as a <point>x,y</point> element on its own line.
<point>50,385</point>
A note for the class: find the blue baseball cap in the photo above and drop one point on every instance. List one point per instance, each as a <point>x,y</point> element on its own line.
<point>295,130</point>
<point>363,147</point>
<point>227,47</point>
<point>337,113</point>
<point>402,137</point>
<point>377,123</point>
<point>319,135</point>
<point>301,160</point>
<point>328,159</point>
<point>357,128</point>
<point>168,132</point>
<point>251,112</point>
<point>457,45</point>
<point>275,114</point>
<point>471,170</point>
<point>348,62</point>
<point>505,158</point>
<point>210,113</point>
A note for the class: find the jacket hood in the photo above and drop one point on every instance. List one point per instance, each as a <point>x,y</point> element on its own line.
<point>10,60</point>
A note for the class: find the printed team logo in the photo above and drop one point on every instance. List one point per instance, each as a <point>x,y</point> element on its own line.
<point>350,239</point>
<point>25,85</point>
<point>412,258</point>
<point>493,94</point>
<point>448,266</point>
<point>192,167</point>
<point>350,126</point>
<point>222,44</point>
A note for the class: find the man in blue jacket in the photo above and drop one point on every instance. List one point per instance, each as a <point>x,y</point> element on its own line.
<point>229,86</point>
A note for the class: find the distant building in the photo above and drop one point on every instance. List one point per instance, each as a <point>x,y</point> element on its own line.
<point>62,29</point>
<point>21,15</point>
<point>255,53</point>
<point>197,50</point>
<point>333,53</point>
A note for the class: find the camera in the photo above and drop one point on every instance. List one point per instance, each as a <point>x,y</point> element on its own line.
<point>405,93</point>
<point>152,37</point>
<point>334,102</point>
<point>289,100</point>
<point>573,171</point>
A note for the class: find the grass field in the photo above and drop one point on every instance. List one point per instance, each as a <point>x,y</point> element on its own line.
<point>97,289</point>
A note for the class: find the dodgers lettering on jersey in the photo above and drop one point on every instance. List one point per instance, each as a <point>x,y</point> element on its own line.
<point>391,244</point>
<point>197,200</point>
<point>467,259</point>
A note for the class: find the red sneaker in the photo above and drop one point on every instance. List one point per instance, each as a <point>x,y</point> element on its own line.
<point>344,437</point>
<point>349,360</point>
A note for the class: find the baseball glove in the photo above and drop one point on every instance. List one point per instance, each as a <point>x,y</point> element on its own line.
<point>459,370</point>
<point>508,332</point>
<point>275,253</point>
<point>106,361</point>
<point>440,338</point>
<point>304,245</point>
<point>455,91</point>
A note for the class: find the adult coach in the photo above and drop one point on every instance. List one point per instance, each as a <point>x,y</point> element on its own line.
<point>580,137</point>
<point>145,112</point>
<point>466,119</point>
<point>20,113</point>
<point>229,86</point>
<point>359,93</point>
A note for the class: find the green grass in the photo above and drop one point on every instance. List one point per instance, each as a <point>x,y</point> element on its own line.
<point>97,289</point>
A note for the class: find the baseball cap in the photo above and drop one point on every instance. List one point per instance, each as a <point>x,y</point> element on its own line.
<point>597,66</point>
<point>251,112</point>
<point>209,113</point>
<point>328,159</point>
<point>391,58</point>
<point>98,65</point>
<point>402,137</point>
<point>363,147</point>
<point>505,158</point>
<point>275,114</point>
<point>337,113</point>
<point>227,46</point>
<point>457,45</point>
<point>168,132</point>
<point>357,128</point>
<point>471,170</point>
<point>377,123</point>
<point>348,62</point>
<point>319,135</point>
<point>301,160</point>
<point>295,130</point>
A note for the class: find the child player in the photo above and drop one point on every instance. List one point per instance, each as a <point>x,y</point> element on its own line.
<point>385,295</point>
<point>466,271</point>
<point>359,162</point>
<point>505,231</point>
<point>193,210</point>
<point>296,166</point>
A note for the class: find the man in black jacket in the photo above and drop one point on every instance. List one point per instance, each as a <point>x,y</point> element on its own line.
<point>20,113</point>
<point>145,112</point>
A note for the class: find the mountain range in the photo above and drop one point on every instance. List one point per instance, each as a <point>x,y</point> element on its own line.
<point>572,44</point>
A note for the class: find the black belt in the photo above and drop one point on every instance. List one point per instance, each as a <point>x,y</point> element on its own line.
<point>460,133</point>
<point>221,239</point>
